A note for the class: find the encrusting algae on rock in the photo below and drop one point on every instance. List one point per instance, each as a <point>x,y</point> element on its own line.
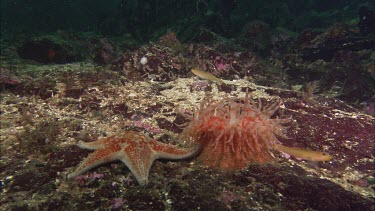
<point>233,134</point>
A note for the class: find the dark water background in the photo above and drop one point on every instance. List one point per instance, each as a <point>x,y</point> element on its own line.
<point>145,19</point>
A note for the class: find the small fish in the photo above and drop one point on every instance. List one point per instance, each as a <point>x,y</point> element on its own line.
<point>304,153</point>
<point>206,75</point>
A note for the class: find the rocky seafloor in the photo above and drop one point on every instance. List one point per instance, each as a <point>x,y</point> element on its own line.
<point>46,109</point>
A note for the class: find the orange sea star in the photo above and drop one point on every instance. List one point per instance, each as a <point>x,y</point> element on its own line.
<point>136,150</point>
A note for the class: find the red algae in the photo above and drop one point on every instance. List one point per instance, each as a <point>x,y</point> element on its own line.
<point>233,134</point>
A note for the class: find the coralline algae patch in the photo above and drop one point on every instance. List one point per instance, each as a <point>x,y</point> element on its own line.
<point>333,126</point>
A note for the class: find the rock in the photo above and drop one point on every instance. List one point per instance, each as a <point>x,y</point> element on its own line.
<point>256,36</point>
<point>45,51</point>
<point>7,79</point>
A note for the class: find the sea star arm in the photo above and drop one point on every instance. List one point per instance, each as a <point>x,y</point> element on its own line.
<point>95,159</point>
<point>95,144</point>
<point>168,151</point>
<point>138,157</point>
<point>141,170</point>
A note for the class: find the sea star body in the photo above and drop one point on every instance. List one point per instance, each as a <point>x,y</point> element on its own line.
<point>136,150</point>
